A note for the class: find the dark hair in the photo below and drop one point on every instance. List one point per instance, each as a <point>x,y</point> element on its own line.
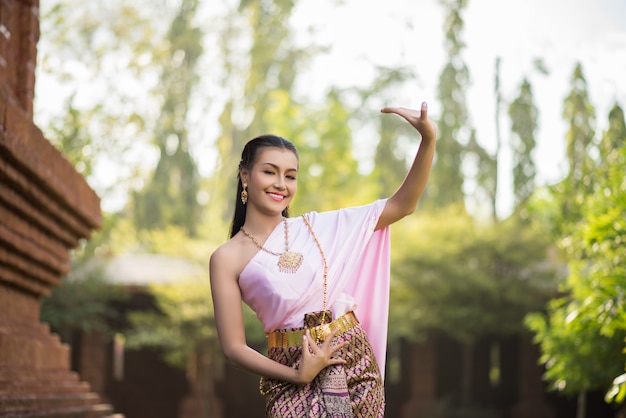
<point>248,158</point>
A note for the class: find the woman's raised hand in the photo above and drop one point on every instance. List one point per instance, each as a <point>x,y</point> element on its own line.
<point>316,358</point>
<point>417,118</point>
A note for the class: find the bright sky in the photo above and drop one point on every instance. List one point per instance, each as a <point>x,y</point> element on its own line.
<point>410,33</point>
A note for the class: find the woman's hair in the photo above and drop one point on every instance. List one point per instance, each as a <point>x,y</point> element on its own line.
<point>248,158</point>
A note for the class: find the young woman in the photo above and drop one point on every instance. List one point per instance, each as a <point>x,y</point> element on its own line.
<point>319,283</point>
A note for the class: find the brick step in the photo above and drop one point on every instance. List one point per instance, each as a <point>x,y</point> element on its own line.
<point>37,330</point>
<point>42,402</point>
<point>96,411</point>
<point>42,387</point>
<point>9,374</point>
<point>49,394</point>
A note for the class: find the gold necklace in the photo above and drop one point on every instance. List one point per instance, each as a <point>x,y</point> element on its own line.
<point>326,328</point>
<point>288,261</point>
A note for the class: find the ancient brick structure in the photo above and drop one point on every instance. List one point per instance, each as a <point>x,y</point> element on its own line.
<point>46,208</point>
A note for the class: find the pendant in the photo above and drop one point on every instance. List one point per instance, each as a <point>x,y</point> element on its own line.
<point>324,332</point>
<point>290,262</point>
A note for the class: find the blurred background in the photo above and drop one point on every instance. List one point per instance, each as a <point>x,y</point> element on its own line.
<point>507,284</point>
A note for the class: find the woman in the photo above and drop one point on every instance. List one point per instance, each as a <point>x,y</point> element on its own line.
<point>318,283</point>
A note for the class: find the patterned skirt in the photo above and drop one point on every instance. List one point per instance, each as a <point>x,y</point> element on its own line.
<point>353,389</point>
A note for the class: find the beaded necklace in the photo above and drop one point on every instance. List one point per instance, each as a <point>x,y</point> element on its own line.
<point>324,324</point>
<point>288,261</point>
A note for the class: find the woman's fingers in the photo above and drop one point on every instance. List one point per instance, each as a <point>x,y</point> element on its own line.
<point>325,351</point>
<point>424,111</point>
<point>400,111</point>
<point>331,350</point>
<point>306,347</point>
<point>410,115</point>
<point>417,118</point>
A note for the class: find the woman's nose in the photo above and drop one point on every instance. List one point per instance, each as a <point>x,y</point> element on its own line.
<point>280,183</point>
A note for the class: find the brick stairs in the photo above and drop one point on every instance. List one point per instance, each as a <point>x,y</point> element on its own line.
<point>49,394</point>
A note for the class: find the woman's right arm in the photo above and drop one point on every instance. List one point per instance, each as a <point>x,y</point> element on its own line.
<point>231,333</point>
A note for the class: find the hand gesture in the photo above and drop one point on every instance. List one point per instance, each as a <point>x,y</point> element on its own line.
<point>418,119</point>
<point>316,358</point>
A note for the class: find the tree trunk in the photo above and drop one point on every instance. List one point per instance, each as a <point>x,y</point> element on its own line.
<point>498,93</point>
<point>466,376</point>
<point>581,406</point>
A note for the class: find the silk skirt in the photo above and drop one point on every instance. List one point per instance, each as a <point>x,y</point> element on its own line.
<point>353,389</point>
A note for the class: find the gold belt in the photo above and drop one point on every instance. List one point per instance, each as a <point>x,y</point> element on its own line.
<point>293,338</point>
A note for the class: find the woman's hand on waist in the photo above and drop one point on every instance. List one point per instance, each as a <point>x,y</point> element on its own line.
<point>316,358</point>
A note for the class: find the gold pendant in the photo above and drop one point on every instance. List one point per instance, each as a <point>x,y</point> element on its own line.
<point>320,332</point>
<point>289,262</point>
<point>324,331</point>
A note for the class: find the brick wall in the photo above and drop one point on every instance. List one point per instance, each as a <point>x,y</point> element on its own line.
<point>46,208</point>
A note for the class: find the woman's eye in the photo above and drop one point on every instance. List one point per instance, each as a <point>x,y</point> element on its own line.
<point>291,177</point>
<point>268,172</point>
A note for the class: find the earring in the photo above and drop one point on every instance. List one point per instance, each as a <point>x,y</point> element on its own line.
<point>244,194</point>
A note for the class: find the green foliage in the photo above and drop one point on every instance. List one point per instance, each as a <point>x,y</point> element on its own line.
<point>579,113</point>
<point>81,304</point>
<point>582,333</point>
<point>446,181</point>
<point>258,80</point>
<point>617,392</point>
<point>170,198</point>
<point>576,355</point>
<point>329,178</point>
<point>524,124</point>
<point>182,325</point>
<point>466,279</point>
<point>69,133</point>
<point>457,145</point>
<point>99,58</point>
<point>396,140</point>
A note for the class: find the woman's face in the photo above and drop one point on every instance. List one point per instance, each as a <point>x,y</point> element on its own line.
<point>272,181</point>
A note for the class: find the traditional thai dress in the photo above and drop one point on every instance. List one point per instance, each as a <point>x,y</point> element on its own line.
<point>357,297</point>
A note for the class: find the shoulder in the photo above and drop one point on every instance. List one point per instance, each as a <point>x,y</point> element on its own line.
<point>224,253</point>
<point>230,258</point>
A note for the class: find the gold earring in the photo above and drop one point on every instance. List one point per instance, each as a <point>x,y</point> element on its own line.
<point>244,194</point>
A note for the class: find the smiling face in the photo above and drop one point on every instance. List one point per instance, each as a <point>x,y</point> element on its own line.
<point>272,181</point>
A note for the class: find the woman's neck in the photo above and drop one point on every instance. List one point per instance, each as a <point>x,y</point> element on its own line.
<point>261,225</point>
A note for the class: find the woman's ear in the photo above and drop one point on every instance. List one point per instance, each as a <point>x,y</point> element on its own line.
<point>243,175</point>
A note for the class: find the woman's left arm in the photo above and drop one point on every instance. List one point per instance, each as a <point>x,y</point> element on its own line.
<point>404,201</point>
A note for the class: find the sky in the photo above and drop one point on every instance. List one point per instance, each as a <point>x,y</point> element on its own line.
<point>410,33</point>
<point>362,34</point>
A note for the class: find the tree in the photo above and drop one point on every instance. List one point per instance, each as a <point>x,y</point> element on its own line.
<point>578,358</point>
<point>446,181</point>
<point>559,206</point>
<point>109,45</point>
<point>582,334</point>
<point>393,137</point>
<point>468,281</point>
<point>182,324</point>
<point>81,304</point>
<point>523,114</point>
<point>266,70</point>
<point>170,197</point>
<point>613,140</point>
<point>331,178</point>
<point>579,114</point>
